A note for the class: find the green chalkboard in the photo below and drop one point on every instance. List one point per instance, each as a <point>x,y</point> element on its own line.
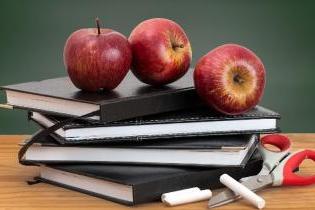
<point>282,33</point>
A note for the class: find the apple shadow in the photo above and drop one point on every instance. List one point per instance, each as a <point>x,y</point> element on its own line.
<point>149,89</point>
<point>96,96</point>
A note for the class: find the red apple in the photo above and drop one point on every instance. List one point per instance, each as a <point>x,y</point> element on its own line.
<point>161,51</point>
<point>97,58</point>
<point>230,78</point>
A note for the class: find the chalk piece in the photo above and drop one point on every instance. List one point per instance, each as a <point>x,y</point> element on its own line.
<point>186,196</point>
<point>179,192</point>
<point>243,191</point>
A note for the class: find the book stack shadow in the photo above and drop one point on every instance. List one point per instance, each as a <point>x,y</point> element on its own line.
<point>136,142</point>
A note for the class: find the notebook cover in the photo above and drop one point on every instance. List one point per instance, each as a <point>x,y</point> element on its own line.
<point>214,143</point>
<point>149,182</point>
<point>200,114</point>
<point>141,99</point>
<point>202,142</point>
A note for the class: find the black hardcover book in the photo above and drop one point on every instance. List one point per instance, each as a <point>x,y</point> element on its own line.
<point>133,185</point>
<point>218,151</point>
<point>199,121</point>
<point>130,99</point>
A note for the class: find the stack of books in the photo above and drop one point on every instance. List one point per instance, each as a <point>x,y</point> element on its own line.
<point>141,142</point>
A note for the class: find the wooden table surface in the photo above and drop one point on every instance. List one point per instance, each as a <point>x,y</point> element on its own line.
<point>15,193</point>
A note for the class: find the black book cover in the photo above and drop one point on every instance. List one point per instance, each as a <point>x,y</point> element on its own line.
<point>200,114</point>
<point>236,148</point>
<point>219,142</point>
<point>131,98</point>
<point>149,182</point>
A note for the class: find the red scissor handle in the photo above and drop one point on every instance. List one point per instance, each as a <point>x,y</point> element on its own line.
<point>283,174</point>
<point>281,142</point>
<point>272,158</point>
<point>294,160</point>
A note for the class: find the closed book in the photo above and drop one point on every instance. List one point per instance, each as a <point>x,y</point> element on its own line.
<point>133,185</point>
<point>130,99</point>
<point>194,122</point>
<point>218,151</point>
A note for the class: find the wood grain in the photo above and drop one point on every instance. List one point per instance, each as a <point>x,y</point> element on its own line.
<point>16,194</point>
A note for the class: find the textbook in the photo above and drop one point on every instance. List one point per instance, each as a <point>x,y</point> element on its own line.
<point>194,122</point>
<point>138,184</point>
<point>218,151</point>
<point>131,98</point>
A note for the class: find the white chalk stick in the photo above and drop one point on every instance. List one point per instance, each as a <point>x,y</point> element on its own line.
<point>187,197</point>
<point>243,191</point>
<point>179,192</point>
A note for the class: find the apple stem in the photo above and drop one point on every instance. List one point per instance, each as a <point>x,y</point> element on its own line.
<point>97,20</point>
<point>175,46</point>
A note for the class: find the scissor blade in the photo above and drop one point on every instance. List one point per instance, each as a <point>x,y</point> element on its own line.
<point>256,183</point>
<point>227,196</point>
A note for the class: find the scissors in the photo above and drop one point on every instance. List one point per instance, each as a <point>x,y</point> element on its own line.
<point>278,169</point>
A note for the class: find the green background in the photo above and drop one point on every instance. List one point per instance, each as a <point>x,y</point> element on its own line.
<point>32,35</point>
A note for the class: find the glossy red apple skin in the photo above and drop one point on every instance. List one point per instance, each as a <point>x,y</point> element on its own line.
<point>161,51</point>
<point>230,78</point>
<point>97,61</point>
